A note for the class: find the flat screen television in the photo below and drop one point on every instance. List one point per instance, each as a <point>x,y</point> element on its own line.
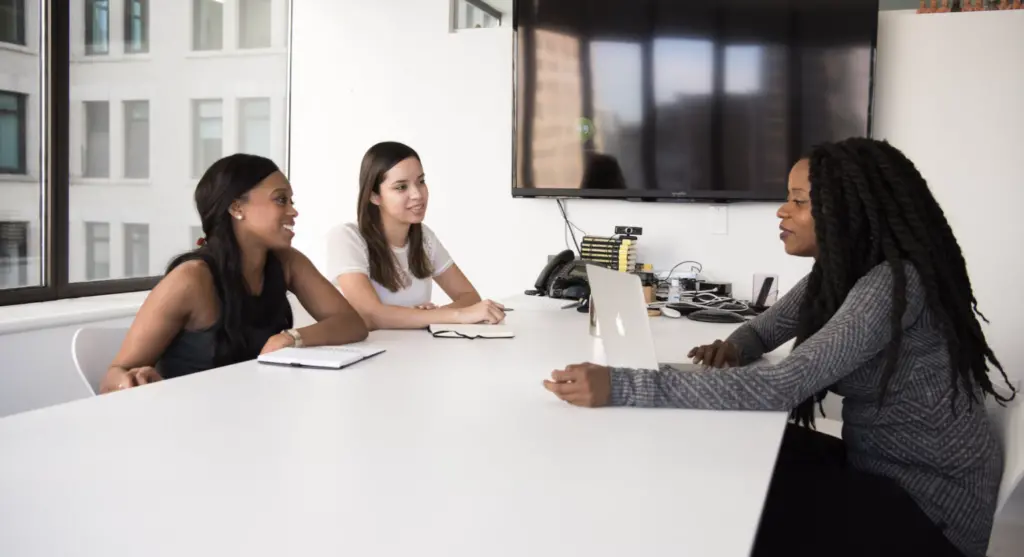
<point>686,100</point>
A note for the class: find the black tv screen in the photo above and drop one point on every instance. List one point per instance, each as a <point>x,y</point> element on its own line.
<point>684,99</point>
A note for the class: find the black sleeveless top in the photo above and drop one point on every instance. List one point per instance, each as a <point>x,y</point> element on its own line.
<point>263,316</point>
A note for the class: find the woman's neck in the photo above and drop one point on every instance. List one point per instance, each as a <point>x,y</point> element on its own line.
<point>254,259</point>
<point>396,233</point>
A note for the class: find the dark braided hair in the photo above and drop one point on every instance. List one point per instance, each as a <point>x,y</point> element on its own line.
<point>871,205</point>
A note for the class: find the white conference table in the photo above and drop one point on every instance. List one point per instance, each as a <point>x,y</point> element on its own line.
<point>436,447</point>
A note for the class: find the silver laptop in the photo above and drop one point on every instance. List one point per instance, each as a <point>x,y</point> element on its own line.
<point>622,321</point>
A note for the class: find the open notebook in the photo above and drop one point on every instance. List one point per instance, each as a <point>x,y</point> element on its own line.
<point>321,357</point>
<point>470,331</point>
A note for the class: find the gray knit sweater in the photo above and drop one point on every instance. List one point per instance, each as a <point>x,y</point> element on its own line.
<point>949,462</point>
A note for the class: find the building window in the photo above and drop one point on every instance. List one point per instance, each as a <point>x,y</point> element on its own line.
<point>12,21</point>
<point>207,134</point>
<point>207,25</point>
<point>136,26</point>
<point>12,133</point>
<point>97,251</point>
<point>254,126</point>
<point>136,139</point>
<point>254,24</point>
<point>97,26</point>
<point>13,254</point>
<point>97,140</point>
<point>136,250</point>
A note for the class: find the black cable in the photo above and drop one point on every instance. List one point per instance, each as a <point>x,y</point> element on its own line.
<point>569,225</point>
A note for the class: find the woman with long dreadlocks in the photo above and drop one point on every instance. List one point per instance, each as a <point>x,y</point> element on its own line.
<point>888,320</point>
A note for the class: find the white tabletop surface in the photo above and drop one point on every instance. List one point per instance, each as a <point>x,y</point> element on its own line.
<point>437,447</point>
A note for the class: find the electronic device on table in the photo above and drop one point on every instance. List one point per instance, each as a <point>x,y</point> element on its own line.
<point>563,276</point>
<point>725,111</point>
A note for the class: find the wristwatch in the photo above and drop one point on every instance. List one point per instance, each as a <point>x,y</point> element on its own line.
<point>294,333</point>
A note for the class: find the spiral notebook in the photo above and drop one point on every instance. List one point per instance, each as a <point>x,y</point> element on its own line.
<point>448,330</point>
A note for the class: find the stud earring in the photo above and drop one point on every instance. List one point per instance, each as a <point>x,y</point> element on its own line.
<point>238,217</point>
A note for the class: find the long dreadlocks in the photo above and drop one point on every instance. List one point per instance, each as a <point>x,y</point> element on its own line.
<point>871,205</point>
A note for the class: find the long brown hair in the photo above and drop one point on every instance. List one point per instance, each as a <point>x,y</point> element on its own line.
<point>384,267</point>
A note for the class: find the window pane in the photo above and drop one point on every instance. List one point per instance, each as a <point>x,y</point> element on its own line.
<point>12,21</point>
<point>254,126</point>
<point>136,139</point>
<point>12,132</point>
<point>97,26</point>
<point>136,26</point>
<point>136,250</point>
<point>143,129</point>
<point>97,139</point>
<point>207,25</point>
<point>207,134</point>
<point>97,250</point>
<point>254,24</point>
<point>21,216</point>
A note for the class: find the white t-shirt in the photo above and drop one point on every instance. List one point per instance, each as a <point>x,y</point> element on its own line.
<point>347,253</point>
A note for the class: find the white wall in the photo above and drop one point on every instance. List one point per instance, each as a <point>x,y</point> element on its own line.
<point>957,113</point>
<point>38,370</point>
<point>369,71</point>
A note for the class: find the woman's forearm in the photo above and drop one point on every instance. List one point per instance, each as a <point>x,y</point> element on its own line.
<point>335,330</point>
<point>400,317</point>
<point>464,300</point>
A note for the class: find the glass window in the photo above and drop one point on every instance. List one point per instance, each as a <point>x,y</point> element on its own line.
<point>97,26</point>
<point>21,189</point>
<point>136,250</point>
<point>97,139</point>
<point>13,254</point>
<point>12,21</point>
<point>136,132</point>
<point>12,132</point>
<point>254,126</point>
<point>207,24</point>
<point>207,134</point>
<point>136,26</point>
<point>136,139</point>
<point>97,250</point>
<point>254,24</point>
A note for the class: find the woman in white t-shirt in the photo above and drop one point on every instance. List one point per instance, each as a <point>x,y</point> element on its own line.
<point>386,263</point>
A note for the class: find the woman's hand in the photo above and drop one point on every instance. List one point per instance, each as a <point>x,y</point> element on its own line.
<point>427,305</point>
<point>118,379</point>
<point>277,342</point>
<point>485,311</point>
<point>717,354</point>
<point>582,384</point>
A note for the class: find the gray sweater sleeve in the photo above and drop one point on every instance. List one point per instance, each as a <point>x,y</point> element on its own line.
<point>858,331</point>
<point>771,329</point>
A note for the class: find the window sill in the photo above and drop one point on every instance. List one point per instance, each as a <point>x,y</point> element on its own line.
<point>20,178</point>
<point>133,182</point>
<point>236,52</point>
<point>14,47</point>
<point>111,58</point>
<point>43,315</point>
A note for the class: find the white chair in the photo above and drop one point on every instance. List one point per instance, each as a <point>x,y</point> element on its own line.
<point>1009,423</point>
<point>93,349</point>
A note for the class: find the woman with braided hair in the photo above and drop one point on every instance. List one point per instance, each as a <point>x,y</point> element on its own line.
<point>887,319</point>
